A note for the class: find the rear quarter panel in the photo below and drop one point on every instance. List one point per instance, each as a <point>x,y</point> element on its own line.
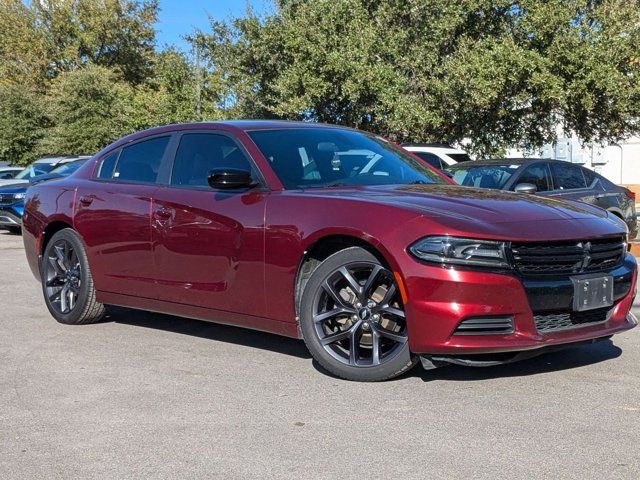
<point>44,204</point>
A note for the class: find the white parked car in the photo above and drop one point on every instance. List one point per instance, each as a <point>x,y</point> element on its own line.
<point>40,167</point>
<point>7,173</point>
<point>437,155</point>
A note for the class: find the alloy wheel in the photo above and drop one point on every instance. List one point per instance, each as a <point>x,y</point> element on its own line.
<point>63,276</point>
<point>358,315</point>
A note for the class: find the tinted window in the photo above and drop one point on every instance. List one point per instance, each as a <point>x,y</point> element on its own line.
<point>484,176</point>
<point>430,158</point>
<point>318,157</point>
<point>107,165</point>
<point>68,168</point>
<point>567,176</point>
<point>141,162</point>
<point>460,157</point>
<point>34,170</point>
<point>199,153</point>
<point>537,175</point>
<point>589,176</point>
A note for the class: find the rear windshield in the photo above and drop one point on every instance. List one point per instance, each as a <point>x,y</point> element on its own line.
<point>484,176</point>
<point>324,157</point>
<point>34,170</point>
<point>68,168</point>
<point>459,157</point>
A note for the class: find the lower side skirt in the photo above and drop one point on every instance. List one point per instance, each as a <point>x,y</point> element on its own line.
<point>430,362</point>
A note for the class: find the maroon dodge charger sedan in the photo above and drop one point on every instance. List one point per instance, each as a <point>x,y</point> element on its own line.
<point>331,235</point>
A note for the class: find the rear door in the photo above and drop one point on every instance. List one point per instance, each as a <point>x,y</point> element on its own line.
<point>113,216</point>
<point>209,244</point>
<point>569,182</point>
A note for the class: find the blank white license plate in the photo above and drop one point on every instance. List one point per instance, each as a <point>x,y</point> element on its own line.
<point>592,292</point>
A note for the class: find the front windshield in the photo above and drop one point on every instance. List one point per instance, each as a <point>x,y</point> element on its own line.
<point>68,168</point>
<point>34,170</point>
<point>324,157</point>
<point>484,176</point>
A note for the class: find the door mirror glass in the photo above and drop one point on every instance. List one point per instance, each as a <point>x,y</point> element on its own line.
<point>526,188</point>
<point>230,178</point>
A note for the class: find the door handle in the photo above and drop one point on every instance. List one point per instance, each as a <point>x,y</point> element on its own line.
<point>86,200</point>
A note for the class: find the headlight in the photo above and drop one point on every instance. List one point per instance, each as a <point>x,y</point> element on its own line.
<point>461,251</point>
<point>19,196</point>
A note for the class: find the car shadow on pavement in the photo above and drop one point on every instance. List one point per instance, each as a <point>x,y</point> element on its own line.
<point>566,359</point>
<point>550,362</point>
<point>208,330</point>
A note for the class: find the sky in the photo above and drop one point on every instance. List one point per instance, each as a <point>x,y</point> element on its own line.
<point>179,17</point>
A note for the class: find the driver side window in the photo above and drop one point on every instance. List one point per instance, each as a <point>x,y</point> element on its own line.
<point>537,175</point>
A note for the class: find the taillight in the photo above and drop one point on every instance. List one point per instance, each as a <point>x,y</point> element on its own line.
<point>631,195</point>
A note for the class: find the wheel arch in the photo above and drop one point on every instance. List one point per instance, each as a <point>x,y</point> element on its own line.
<point>617,212</point>
<point>50,230</point>
<point>323,246</point>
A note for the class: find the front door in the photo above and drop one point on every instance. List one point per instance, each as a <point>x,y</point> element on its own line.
<point>209,244</point>
<point>113,213</point>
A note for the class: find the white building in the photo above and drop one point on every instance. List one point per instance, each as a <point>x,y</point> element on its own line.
<point>620,163</point>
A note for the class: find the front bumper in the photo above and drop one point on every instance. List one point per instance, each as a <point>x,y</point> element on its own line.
<point>10,216</point>
<point>438,300</point>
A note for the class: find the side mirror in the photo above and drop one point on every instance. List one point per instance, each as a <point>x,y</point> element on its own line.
<point>529,188</point>
<point>230,178</point>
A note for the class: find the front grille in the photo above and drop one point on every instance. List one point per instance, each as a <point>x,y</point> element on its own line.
<point>7,199</point>
<point>563,320</point>
<point>569,257</point>
<point>485,326</point>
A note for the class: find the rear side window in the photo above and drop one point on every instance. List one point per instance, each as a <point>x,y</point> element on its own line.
<point>107,165</point>
<point>567,177</point>
<point>537,175</point>
<point>430,158</point>
<point>141,161</point>
<point>589,176</point>
<point>199,153</point>
<point>460,157</point>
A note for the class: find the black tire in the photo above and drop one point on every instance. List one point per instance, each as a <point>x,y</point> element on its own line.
<point>392,356</point>
<point>65,273</point>
<point>15,230</point>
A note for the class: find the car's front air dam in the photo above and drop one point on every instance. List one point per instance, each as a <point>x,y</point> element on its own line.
<point>438,299</point>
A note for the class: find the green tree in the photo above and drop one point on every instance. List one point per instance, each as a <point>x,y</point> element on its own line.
<point>47,38</point>
<point>497,72</point>
<point>22,123</point>
<point>169,95</point>
<point>89,108</point>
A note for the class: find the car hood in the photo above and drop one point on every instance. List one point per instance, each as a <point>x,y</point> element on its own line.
<point>13,181</point>
<point>484,211</point>
<point>17,188</point>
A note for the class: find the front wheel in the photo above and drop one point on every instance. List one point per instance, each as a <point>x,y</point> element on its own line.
<point>352,318</point>
<point>67,283</point>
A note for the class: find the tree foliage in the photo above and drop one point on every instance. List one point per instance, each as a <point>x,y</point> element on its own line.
<point>499,73</point>
<point>89,108</point>
<point>50,37</point>
<point>77,74</point>
<point>22,123</point>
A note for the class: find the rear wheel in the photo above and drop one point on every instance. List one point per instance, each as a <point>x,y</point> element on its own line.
<point>67,283</point>
<point>352,318</point>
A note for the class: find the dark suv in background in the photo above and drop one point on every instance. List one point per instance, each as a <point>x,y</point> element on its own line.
<point>552,178</point>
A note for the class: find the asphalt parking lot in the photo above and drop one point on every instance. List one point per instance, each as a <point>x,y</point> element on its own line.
<point>152,396</point>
